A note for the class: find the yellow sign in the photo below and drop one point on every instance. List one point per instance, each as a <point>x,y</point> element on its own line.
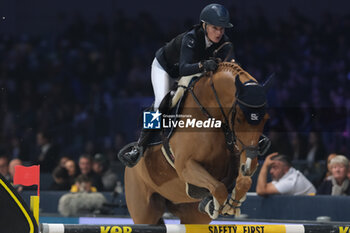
<point>344,229</point>
<point>115,229</point>
<point>235,229</point>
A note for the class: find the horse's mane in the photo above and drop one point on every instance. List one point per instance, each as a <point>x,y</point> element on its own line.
<point>235,69</point>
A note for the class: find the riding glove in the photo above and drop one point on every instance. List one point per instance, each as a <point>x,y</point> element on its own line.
<point>208,65</point>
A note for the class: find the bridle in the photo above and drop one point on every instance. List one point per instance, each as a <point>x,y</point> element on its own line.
<point>231,138</point>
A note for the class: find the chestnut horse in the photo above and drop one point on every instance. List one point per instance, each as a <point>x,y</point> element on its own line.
<point>209,159</point>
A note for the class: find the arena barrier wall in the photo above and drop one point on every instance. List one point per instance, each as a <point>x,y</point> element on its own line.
<point>189,228</point>
<point>303,208</point>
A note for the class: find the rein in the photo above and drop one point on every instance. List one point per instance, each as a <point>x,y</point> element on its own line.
<point>230,136</point>
<point>221,46</point>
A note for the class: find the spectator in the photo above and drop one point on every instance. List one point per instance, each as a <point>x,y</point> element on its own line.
<point>316,150</point>
<point>4,167</point>
<point>63,160</point>
<point>61,179</point>
<point>73,170</point>
<point>13,163</point>
<point>101,168</point>
<point>285,178</point>
<point>83,184</point>
<point>328,175</point>
<point>69,62</point>
<point>48,157</point>
<point>119,143</point>
<point>338,184</point>
<point>85,166</point>
<point>82,201</point>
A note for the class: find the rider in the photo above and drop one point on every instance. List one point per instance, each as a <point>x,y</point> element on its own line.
<point>188,53</point>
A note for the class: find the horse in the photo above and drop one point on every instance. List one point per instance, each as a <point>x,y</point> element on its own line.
<point>211,160</point>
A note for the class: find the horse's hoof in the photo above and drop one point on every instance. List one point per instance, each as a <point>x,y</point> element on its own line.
<point>130,154</point>
<point>229,207</point>
<point>203,203</point>
<point>209,205</point>
<point>237,212</point>
<point>233,211</point>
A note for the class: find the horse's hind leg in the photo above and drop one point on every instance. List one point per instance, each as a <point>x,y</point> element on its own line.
<point>145,207</point>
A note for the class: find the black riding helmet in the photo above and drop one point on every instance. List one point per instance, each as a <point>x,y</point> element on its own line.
<point>217,15</point>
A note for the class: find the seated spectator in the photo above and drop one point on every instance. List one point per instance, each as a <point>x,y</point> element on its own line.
<point>13,163</point>
<point>4,167</point>
<point>328,174</point>
<point>285,179</point>
<point>83,201</point>
<point>48,157</point>
<point>101,167</point>
<point>316,150</point>
<point>85,166</point>
<point>73,170</point>
<point>83,184</point>
<point>338,184</point>
<point>63,160</point>
<point>61,179</point>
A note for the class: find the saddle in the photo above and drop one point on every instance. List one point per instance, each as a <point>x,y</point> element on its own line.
<point>171,105</point>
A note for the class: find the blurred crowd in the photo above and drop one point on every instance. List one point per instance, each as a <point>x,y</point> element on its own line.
<point>58,92</point>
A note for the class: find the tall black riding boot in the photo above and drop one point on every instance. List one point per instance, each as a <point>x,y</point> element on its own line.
<point>132,157</point>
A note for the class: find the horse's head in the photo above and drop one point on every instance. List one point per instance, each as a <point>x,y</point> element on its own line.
<point>248,119</point>
<point>242,109</point>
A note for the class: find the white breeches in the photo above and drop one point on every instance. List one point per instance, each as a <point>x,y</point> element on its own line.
<point>161,82</point>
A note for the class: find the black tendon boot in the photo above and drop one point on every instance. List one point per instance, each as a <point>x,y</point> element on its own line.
<point>132,157</point>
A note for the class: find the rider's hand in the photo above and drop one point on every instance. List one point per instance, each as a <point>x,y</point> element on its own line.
<point>209,65</point>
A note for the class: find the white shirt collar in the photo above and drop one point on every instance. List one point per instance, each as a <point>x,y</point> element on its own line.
<point>208,43</point>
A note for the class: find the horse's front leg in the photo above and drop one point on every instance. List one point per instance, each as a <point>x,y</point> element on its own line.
<point>243,184</point>
<point>192,172</point>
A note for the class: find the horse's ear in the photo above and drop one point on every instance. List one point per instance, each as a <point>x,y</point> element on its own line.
<point>267,85</point>
<point>239,84</point>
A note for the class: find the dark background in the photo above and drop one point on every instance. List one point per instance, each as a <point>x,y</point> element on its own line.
<point>81,70</point>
